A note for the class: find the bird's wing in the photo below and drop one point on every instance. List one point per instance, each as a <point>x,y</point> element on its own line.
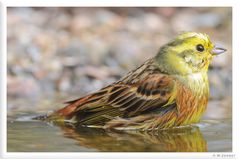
<point>123,100</point>
<point>150,93</point>
<point>140,92</point>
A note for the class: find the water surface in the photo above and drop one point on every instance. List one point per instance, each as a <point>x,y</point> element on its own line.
<point>26,135</point>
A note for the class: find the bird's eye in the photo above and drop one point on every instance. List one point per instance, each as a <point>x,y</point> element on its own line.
<point>200,48</point>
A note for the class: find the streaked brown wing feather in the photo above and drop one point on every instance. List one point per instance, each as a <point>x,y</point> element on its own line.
<point>141,91</point>
<point>152,92</point>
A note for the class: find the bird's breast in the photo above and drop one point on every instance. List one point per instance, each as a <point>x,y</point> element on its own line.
<point>192,98</point>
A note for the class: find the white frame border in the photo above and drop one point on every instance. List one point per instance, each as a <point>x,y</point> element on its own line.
<point>121,3</point>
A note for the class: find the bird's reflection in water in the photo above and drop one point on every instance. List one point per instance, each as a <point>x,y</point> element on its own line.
<point>188,139</point>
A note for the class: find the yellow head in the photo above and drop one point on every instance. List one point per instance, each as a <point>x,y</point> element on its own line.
<point>189,52</point>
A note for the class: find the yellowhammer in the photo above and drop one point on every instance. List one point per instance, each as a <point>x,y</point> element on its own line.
<point>168,90</point>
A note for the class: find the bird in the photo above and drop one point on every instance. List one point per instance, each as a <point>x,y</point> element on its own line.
<point>167,91</point>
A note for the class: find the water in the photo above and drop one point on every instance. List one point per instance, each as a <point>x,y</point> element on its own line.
<point>25,135</point>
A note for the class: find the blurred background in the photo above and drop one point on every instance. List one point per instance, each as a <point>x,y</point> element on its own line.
<point>58,54</point>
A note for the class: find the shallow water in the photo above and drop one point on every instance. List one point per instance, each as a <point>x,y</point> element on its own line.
<point>25,135</point>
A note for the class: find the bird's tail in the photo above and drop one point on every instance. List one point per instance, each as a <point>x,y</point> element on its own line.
<point>62,115</point>
<point>40,117</point>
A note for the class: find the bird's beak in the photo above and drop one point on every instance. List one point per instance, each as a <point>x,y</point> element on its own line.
<point>218,50</point>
